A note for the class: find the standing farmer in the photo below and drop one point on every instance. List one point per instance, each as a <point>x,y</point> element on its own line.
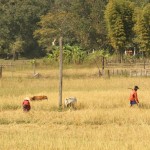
<point>133,96</point>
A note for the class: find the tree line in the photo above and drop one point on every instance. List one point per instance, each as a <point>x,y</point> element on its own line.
<point>32,27</point>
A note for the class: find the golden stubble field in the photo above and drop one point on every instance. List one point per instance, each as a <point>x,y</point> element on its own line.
<point>103,119</point>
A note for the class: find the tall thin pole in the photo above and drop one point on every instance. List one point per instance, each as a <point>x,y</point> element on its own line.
<point>60,72</point>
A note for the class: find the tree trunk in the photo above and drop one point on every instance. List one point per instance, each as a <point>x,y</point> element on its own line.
<point>1,71</point>
<point>14,56</point>
<point>103,65</point>
<point>120,57</point>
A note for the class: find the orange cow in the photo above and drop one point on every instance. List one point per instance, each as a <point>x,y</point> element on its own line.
<point>43,97</point>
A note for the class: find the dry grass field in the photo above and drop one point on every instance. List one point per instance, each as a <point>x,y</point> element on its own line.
<point>103,119</point>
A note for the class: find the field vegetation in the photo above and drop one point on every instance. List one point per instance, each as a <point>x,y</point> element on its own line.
<point>103,118</point>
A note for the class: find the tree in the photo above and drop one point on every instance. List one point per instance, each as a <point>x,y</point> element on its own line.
<point>52,26</point>
<point>89,25</point>
<point>98,35</point>
<point>18,19</point>
<point>88,28</point>
<point>119,16</point>
<point>17,47</point>
<point>140,3</point>
<point>142,29</point>
<point>98,58</point>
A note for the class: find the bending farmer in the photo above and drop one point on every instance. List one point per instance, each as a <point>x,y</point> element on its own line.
<point>26,104</point>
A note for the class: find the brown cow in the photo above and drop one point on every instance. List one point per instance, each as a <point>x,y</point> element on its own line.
<point>43,97</point>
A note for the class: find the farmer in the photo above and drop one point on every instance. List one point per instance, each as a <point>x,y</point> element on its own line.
<point>133,96</point>
<point>26,104</point>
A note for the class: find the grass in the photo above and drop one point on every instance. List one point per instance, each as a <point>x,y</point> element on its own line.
<point>103,119</point>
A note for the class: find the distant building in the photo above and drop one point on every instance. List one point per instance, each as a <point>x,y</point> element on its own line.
<point>130,52</point>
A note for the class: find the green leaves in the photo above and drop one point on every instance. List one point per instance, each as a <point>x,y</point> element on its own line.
<point>18,19</point>
<point>71,54</point>
<point>53,25</point>
<point>142,29</point>
<point>80,22</point>
<point>17,46</point>
<point>118,16</point>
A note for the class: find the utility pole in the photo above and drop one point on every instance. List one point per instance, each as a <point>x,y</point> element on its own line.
<point>60,72</point>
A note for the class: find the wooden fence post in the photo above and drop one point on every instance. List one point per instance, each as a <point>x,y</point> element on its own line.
<point>11,67</point>
<point>113,72</point>
<point>1,70</point>
<point>130,73</point>
<point>107,73</point>
<point>117,72</point>
<point>145,73</point>
<point>34,67</point>
<point>122,72</point>
<point>125,73</point>
<point>144,64</point>
<point>136,73</point>
<point>141,72</point>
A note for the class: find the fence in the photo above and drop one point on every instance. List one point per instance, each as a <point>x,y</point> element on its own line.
<point>144,65</point>
<point>20,68</point>
<point>25,68</point>
<point>127,72</point>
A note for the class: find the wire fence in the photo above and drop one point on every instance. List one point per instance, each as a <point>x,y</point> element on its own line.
<point>26,69</point>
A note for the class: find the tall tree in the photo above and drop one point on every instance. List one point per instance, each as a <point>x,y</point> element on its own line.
<point>140,3</point>
<point>18,20</point>
<point>119,20</point>
<point>98,27</point>
<point>142,29</point>
<point>88,28</point>
<point>52,26</point>
<point>90,25</point>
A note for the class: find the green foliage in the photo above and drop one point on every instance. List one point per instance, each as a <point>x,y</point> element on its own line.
<point>77,55</point>
<point>142,29</point>
<point>33,62</point>
<point>96,57</point>
<point>118,16</point>
<point>17,46</point>
<point>30,26</point>
<point>52,26</point>
<point>140,3</point>
<point>129,59</point>
<point>80,22</point>
<point>18,19</point>
<point>89,26</point>
<point>71,54</point>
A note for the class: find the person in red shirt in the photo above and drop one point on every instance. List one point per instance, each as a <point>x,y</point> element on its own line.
<point>26,104</point>
<point>134,97</point>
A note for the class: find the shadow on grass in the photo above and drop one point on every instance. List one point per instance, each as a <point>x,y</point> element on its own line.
<point>144,105</point>
<point>4,121</point>
<point>63,108</point>
<point>10,107</point>
<point>108,106</point>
